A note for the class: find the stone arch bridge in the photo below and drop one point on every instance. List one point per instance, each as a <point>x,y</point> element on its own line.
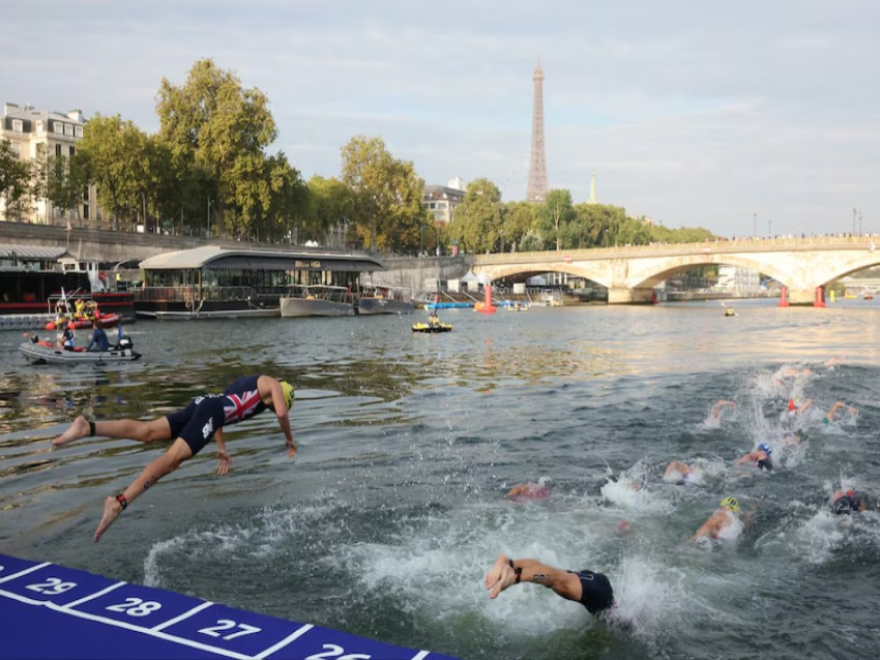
<point>630,273</point>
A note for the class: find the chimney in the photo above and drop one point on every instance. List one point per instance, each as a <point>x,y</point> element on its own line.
<point>76,115</point>
<point>10,108</point>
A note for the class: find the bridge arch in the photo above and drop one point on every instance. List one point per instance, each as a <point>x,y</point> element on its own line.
<point>593,274</point>
<point>859,263</point>
<point>650,275</point>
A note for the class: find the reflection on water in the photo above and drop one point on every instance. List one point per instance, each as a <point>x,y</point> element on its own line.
<point>392,512</point>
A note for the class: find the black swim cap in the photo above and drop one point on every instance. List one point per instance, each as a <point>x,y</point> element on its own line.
<point>844,506</point>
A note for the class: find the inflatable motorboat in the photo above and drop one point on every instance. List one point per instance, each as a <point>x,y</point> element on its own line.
<point>44,351</point>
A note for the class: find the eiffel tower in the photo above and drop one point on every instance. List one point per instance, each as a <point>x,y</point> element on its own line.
<point>538,186</point>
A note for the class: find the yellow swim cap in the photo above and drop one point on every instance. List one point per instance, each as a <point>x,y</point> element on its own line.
<point>730,504</point>
<point>287,388</point>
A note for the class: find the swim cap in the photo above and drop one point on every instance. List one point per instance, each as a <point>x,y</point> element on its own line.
<point>791,404</point>
<point>730,504</point>
<point>543,482</point>
<point>287,388</point>
<point>826,421</point>
<point>764,447</point>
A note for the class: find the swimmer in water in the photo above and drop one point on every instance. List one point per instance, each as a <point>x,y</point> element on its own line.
<point>682,474</point>
<point>724,524</point>
<point>191,429</point>
<point>760,457</point>
<point>791,439</point>
<point>721,405</point>
<point>530,491</point>
<point>592,590</point>
<point>795,407</point>
<point>833,411</point>
<point>848,502</point>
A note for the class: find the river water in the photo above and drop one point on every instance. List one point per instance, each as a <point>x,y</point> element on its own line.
<point>386,522</point>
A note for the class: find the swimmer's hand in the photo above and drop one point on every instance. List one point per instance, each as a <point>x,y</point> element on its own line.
<point>291,448</point>
<point>223,464</point>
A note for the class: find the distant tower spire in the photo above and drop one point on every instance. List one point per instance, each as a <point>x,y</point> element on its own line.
<point>538,187</point>
<point>593,199</point>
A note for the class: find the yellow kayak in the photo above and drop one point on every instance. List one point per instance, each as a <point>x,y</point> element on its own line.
<point>426,327</point>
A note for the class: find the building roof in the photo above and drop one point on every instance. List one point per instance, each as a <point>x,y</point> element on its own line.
<point>215,257</point>
<point>441,192</point>
<point>32,252</point>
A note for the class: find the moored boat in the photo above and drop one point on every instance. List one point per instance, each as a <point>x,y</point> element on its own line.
<point>384,300</point>
<point>317,300</point>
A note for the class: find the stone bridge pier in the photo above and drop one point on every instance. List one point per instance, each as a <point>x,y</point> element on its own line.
<point>621,295</point>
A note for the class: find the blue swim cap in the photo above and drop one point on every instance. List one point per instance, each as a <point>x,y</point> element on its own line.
<point>764,447</point>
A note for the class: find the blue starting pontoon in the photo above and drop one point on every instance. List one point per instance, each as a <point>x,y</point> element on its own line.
<point>49,611</point>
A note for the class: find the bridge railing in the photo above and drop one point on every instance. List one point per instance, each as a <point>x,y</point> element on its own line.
<point>663,249</point>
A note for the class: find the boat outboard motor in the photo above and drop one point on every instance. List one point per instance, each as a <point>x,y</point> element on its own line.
<point>124,343</point>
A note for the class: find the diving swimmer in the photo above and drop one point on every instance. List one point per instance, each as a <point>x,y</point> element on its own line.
<point>760,457</point>
<point>191,429</point>
<point>592,590</point>
<point>724,524</point>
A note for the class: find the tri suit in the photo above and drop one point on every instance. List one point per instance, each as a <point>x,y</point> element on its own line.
<point>596,591</point>
<point>196,423</point>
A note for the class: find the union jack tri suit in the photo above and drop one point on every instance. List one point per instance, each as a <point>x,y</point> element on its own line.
<point>197,423</point>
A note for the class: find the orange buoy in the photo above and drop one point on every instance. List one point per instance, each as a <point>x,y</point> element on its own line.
<point>50,325</point>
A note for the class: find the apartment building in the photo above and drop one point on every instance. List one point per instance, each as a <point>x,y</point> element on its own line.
<point>29,130</point>
<point>442,200</point>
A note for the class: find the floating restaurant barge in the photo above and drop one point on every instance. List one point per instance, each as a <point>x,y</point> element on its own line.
<point>218,282</point>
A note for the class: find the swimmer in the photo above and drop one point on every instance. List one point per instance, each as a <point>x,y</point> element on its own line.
<point>760,458</point>
<point>191,429</point>
<point>592,590</point>
<point>837,406</point>
<point>794,372</point>
<point>791,439</point>
<point>848,502</point>
<point>530,491</point>
<point>795,407</point>
<point>724,524</point>
<point>682,473</point>
<point>718,407</point>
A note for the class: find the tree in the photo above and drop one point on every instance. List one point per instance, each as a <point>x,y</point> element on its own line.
<point>554,214</point>
<point>113,150</point>
<point>222,128</point>
<point>479,220</point>
<point>387,192</point>
<point>15,181</point>
<point>331,204</point>
<point>61,180</point>
<point>519,218</point>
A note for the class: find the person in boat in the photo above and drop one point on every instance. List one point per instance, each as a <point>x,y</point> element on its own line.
<point>833,411</point>
<point>80,308</point>
<point>99,340</point>
<point>67,337</point>
<point>530,491</point>
<point>433,320</point>
<point>724,524</point>
<point>848,502</point>
<point>590,589</point>
<point>190,429</point>
<point>760,457</point>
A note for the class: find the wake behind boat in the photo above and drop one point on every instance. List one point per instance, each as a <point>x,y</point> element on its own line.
<point>45,352</point>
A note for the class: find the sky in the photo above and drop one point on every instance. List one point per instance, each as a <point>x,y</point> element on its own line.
<point>728,116</point>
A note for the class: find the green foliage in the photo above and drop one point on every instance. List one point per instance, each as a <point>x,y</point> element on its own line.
<point>554,216</point>
<point>519,218</point>
<point>330,204</point>
<point>478,224</point>
<point>15,182</point>
<point>387,212</point>
<point>660,234</point>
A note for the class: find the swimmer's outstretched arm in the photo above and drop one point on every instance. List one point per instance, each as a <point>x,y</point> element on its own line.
<point>748,458</point>
<point>519,489</point>
<point>281,411</point>
<point>502,575</point>
<point>837,406</point>
<point>222,454</point>
<point>679,467</point>
<point>712,525</point>
<point>716,409</point>
<point>806,404</point>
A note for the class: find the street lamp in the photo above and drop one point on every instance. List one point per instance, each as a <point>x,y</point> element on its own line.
<point>854,223</point>
<point>755,233</point>
<point>860,222</point>
<point>769,228</point>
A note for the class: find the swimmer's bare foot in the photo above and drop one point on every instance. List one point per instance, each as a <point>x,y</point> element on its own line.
<point>79,429</point>
<point>500,576</point>
<point>112,509</point>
